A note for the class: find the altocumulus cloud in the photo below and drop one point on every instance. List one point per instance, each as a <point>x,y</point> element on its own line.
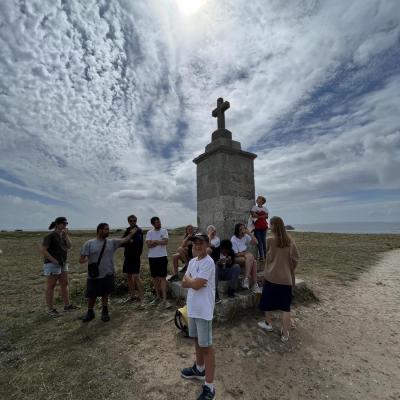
<point>103,105</point>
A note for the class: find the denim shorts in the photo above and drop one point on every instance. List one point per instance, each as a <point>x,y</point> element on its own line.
<point>50,269</point>
<point>202,330</point>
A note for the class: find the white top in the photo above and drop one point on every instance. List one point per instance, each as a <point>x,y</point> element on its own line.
<point>200,303</point>
<point>239,245</point>
<point>215,242</point>
<point>159,250</point>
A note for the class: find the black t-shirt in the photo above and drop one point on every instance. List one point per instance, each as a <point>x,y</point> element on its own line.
<point>57,247</point>
<point>217,253</point>
<point>134,247</point>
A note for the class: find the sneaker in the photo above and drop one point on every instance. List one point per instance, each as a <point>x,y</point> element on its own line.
<point>70,307</point>
<point>193,373</point>
<point>154,302</point>
<point>265,325</point>
<point>174,278</point>
<point>130,299</point>
<point>256,289</point>
<point>88,317</point>
<point>53,313</point>
<point>207,394</point>
<point>217,298</point>
<point>284,338</point>
<point>105,317</point>
<point>245,283</point>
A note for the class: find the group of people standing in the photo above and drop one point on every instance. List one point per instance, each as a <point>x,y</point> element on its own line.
<point>207,260</point>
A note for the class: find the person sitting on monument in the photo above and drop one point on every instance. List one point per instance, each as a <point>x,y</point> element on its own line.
<point>214,242</point>
<point>184,253</point>
<point>241,238</point>
<point>226,268</point>
<point>279,276</point>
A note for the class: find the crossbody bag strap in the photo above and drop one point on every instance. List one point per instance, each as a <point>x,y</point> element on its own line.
<point>102,251</point>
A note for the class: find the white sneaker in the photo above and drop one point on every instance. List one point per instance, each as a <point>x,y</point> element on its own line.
<point>256,289</point>
<point>154,302</point>
<point>245,283</point>
<point>264,325</point>
<point>284,338</point>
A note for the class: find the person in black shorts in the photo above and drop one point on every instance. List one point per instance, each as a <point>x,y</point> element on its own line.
<point>133,251</point>
<point>157,240</point>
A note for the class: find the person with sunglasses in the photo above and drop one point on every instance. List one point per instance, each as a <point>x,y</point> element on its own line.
<point>54,248</point>
<point>132,253</point>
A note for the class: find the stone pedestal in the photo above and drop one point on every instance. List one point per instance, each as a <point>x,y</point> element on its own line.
<point>225,184</point>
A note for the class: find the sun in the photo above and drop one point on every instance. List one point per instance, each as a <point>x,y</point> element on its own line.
<point>189,7</point>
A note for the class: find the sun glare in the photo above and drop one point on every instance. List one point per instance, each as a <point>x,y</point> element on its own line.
<point>189,7</point>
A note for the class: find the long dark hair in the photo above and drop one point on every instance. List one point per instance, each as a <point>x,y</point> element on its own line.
<point>237,229</point>
<point>58,220</point>
<point>279,231</point>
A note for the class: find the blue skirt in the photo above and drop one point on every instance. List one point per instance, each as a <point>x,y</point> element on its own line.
<point>276,297</point>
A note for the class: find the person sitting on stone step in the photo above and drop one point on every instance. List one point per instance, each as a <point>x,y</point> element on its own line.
<point>214,242</point>
<point>226,269</point>
<point>184,253</point>
<point>241,238</point>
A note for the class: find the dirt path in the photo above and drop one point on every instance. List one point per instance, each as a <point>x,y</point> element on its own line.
<point>345,347</point>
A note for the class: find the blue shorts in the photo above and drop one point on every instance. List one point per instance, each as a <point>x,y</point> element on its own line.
<point>50,269</point>
<point>202,330</point>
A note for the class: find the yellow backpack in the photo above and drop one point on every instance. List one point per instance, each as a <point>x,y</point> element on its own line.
<point>182,320</point>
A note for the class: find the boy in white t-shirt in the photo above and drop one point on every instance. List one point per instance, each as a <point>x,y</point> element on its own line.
<point>200,280</point>
<point>157,240</point>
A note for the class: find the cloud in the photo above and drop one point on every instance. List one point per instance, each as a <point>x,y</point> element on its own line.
<point>103,105</point>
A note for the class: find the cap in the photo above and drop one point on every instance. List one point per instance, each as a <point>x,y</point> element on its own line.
<point>199,236</point>
<point>61,220</point>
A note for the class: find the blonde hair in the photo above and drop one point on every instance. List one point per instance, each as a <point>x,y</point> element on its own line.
<point>279,231</point>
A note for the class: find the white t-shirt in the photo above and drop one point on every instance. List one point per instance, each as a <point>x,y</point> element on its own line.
<point>159,250</point>
<point>215,242</point>
<point>200,303</point>
<point>239,245</point>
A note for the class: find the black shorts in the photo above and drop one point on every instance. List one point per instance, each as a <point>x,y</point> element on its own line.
<point>158,267</point>
<point>131,265</point>
<point>276,297</point>
<point>100,287</point>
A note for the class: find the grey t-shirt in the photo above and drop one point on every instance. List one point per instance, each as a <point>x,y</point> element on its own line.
<point>92,249</point>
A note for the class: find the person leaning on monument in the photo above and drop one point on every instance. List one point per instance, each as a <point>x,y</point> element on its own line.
<point>200,281</point>
<point>279,276</point>
<point>184,253</point>
<point>241,238</point>
<point>99,254</point>
<point>260,213</point>
<point>132,253</point>
<point>157,240</point>
<point>55,268</point>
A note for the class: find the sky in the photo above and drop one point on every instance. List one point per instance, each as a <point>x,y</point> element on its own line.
<point>104,105</point>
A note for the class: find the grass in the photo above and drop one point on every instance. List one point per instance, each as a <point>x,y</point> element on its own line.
<point>63,359</point>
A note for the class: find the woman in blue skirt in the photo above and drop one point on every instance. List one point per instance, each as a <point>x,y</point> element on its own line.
<point>279,275</point>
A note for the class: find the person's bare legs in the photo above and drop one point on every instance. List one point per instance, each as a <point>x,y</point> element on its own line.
<point>175,262</point>
<point>51,282</point>
<point>163,288</point>
<point>286,322</point>
<point>91,302</point>
<point>268,317</point>
<point>199,353</point>
<point>104,301</point>
<point>254,271</point>
<point>249,265</point>
<point>137,283</point>
<point>209,363</point>
<point>64,288</point>
<point>131,284</point>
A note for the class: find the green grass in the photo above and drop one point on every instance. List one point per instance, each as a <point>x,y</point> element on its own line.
<point>63,359</point>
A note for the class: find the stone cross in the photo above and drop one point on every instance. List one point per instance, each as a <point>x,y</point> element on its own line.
<point>218,113</point>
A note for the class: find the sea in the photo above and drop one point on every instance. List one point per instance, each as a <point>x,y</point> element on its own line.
<point>350,227</point>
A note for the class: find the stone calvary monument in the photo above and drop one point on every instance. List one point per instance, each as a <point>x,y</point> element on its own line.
<point>225,180</point>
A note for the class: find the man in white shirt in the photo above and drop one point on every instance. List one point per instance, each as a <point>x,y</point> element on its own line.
<point>157,240</point>
<point>200,280</point>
